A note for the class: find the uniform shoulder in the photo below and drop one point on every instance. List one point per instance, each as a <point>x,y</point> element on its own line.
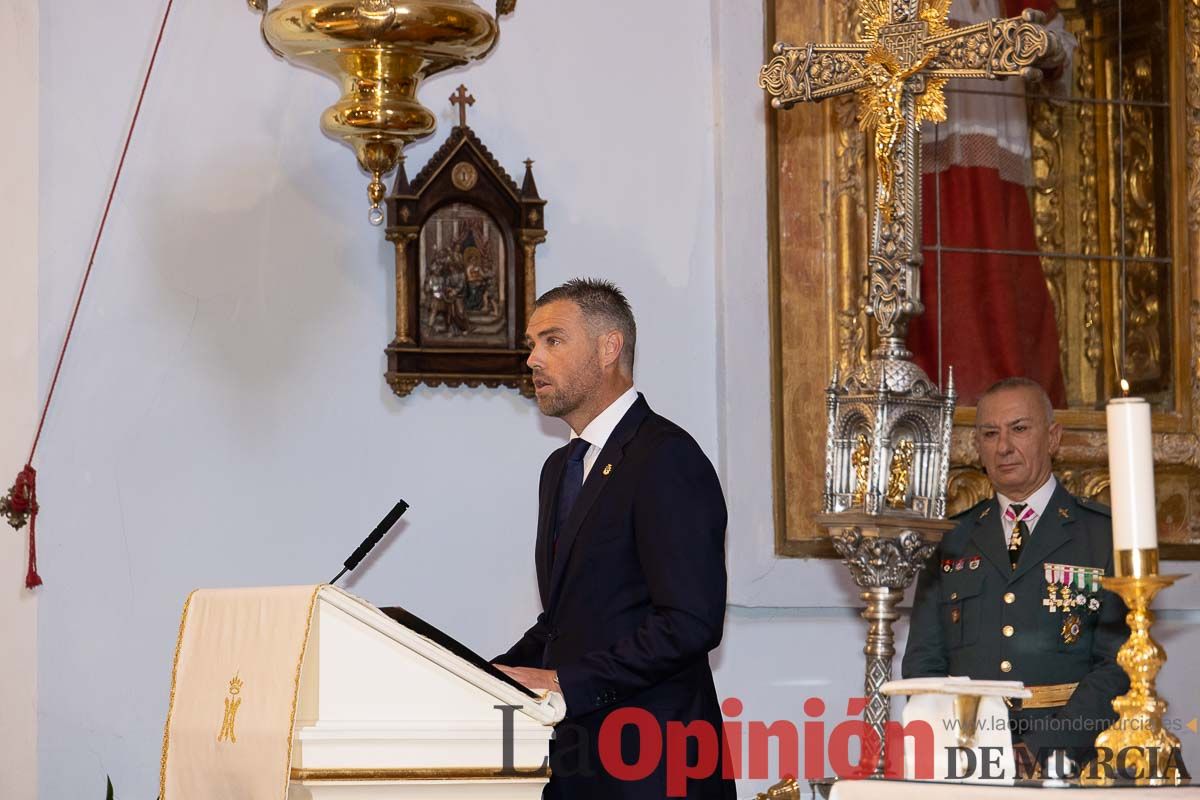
<point>1091,505</point>
<point>974,512</point>
<point>965,522</point>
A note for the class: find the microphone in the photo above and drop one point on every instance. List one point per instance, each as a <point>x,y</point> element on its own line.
<point>369,543</point>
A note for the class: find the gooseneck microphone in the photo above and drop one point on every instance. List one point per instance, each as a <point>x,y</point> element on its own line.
<point>369,543</point>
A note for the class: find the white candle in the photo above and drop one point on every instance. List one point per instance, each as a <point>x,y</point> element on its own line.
<point>1131,469</point>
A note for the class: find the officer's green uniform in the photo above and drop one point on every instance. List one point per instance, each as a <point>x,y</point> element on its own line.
<point>975,616</point>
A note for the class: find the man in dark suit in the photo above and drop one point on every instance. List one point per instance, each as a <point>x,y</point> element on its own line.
<point>630,564</point>
<point>1012,593</point>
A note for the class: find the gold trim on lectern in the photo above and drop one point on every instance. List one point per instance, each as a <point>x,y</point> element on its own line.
<point>415,774</point>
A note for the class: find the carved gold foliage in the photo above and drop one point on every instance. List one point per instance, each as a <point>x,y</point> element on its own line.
<point>1142,301</point>
<point>1048,208</point>
<point>778,76</point>
<point>967,487</point>
<point>936,14</point>
<point>1089,204</point>
<point>1195,364</point>
<point>1138,148</point>
<point>1090,482</point>
<point>1143,309</point>
<point>874,14</point>
<point>1192,99</point>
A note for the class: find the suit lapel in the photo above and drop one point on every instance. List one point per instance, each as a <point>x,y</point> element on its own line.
<point>611,454</point>
<point>1053,530</point>
<point>544,546</point>
<point>988,536</point>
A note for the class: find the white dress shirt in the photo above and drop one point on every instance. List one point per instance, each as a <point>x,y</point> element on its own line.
<point>598,430</point>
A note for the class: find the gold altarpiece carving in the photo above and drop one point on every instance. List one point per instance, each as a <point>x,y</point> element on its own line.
<point>1118,229</point>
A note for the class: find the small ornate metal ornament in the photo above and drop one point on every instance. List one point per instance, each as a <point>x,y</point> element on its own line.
<point>466,237</point>
<point>464,176</point>
<point>19,505</point>
<point>1070,629</point>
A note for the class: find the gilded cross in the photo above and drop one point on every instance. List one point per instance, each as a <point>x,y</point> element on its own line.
<point>899,68</point>
<point>461,99</point>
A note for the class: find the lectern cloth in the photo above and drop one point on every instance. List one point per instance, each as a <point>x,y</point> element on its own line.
<point>233,693</point>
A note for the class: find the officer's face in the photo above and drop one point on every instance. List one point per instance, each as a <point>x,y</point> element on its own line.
<point>1015,441</point>
<point>564,357</point>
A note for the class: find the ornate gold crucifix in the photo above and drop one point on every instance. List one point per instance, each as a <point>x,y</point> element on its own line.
<point>898,69</point>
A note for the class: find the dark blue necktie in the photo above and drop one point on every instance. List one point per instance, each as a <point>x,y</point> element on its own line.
<point>572,483</point>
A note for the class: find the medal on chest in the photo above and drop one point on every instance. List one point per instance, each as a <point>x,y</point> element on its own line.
<point>1074,591</point>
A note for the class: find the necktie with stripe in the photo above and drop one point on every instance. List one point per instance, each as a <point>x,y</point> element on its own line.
<point>1020,533</point>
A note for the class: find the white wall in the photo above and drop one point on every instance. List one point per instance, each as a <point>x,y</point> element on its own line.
<point>223,419</point>
<point>18,386</point>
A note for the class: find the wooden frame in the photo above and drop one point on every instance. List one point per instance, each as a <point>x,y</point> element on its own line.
<point>818,179</point>
<point>462,307</point>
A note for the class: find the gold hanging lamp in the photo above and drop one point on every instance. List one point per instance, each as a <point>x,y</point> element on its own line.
<point>379,51</point>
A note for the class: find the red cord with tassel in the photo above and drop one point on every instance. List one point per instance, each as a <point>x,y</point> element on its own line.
<point>21,507</point>
<point>20,504</point>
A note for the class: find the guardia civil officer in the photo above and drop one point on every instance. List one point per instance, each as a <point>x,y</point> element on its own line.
<point>1013,591</point>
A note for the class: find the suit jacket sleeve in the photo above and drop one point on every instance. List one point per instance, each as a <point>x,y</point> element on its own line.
<point>529,651</point>
<point>925,654</point>
<point>679,520</point>
<point>1090,710</point>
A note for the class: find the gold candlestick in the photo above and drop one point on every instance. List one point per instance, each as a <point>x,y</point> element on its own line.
<point>1137,742</point>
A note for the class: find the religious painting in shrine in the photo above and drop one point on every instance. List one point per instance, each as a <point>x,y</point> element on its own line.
<point>1057,243</point>
<point>463,278</point>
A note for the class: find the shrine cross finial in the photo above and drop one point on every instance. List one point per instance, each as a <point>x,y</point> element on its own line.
<point>461,99</point>
<point>907,53</point>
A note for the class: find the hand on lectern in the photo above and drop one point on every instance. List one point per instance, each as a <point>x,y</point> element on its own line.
<point>534,679</point>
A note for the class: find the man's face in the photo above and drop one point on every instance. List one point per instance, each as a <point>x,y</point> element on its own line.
<point>565,358</point>
<point>1015,441</point>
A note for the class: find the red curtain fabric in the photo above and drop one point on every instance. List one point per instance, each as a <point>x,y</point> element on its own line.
<point>1014,7</point>
<point>997,318</point>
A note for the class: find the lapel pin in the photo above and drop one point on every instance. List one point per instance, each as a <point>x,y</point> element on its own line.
<point>1062,512</point>
<point>986,511</point>
<point>607,469</point>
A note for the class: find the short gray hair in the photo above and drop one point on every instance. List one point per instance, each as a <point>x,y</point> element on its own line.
<point>603,305</point>
<point>1017,382</point>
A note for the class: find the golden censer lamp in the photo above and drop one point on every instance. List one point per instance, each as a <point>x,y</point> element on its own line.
<point>379,51</point>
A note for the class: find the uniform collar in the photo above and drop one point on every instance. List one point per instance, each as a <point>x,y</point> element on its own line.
<point>599,429</point>
<point>1036,502</point>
